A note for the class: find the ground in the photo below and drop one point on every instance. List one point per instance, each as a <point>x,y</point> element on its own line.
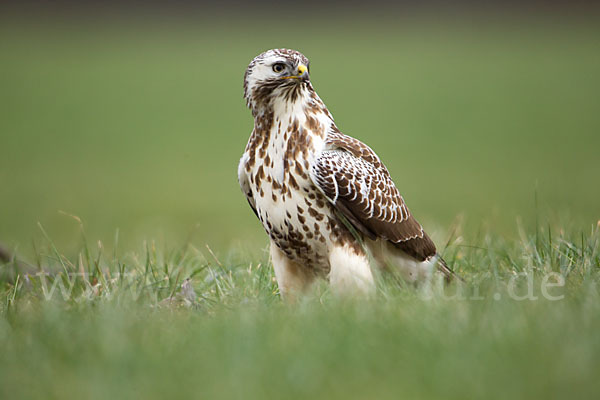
<point>123,142</point>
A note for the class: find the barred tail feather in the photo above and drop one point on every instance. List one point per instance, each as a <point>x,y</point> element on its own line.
<point>449,275</point>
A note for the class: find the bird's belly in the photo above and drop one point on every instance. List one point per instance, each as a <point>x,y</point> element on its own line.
<point>300,221</point>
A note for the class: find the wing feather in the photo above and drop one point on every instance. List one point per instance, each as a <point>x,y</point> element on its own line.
<point>355,181</point>
<point>245,185</point>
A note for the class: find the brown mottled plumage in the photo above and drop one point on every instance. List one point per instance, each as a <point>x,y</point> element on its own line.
<point>321,196</point>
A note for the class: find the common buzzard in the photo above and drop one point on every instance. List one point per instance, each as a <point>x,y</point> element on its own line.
<point>324,198</point>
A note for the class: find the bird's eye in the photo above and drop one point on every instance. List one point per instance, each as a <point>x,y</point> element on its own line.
<point>278,67</point>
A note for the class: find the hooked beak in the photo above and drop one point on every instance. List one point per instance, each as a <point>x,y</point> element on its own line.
<point>302,73</point>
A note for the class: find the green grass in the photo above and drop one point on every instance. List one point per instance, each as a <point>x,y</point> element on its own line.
<point>183,323</point>
<point>133,131</point>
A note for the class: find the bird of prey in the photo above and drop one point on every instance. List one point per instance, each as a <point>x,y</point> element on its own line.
<point>324,198</point>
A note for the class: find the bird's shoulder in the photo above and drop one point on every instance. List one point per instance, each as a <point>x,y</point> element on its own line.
<point>337,140</point>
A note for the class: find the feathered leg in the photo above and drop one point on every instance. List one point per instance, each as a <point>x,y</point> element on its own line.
<point>292,278</point>
<point>350,271</point>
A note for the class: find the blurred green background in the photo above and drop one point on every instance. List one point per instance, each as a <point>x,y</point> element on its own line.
<point>138,125</point>
<point>133,120</point>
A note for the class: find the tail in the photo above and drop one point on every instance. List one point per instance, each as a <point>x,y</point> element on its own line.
<point>449,275</point>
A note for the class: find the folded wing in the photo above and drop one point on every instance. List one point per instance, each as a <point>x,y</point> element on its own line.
<point>355,181</point>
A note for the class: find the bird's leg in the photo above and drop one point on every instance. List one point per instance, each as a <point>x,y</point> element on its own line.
<point>350,271</point>
<point>293,279</point>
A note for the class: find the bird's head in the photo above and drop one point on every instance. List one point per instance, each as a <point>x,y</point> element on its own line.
<point>277,73</point>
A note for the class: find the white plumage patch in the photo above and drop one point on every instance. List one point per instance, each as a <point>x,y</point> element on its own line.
<point>350,272</point>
